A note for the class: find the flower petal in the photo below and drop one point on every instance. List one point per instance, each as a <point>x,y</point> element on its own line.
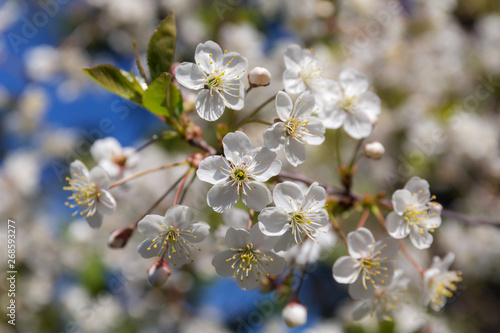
<point>293,56</point>
<point>189,75</point>
<point>265,164</point>
<point>222,267</point>
<point>401,199</point>
<point>346,270</point>
<point>78,168</point>
<point>94,221</point>
<point>106,204</point>
<point>196,232</point>
<point>304,104</point>
<point>257,197</point>
<point>100,177</point>
<point>105,149</point>
<point>260,240</point>
<point>179,216</point>
<point>353,82</point>
<point>386,249</point>
<point>359,242</point>
<point>274,221</point>
<point>143,247</point>
<point>315,197</point>
<point>396,225</point>
<point>420,187</point>
<point>421,238</point>
<point>358,125</point>
<point>234,95</point>
<point>286,241</point>
<point>274,136</point>
<point>236,217</point>
<point>288,195</point>
<point>208,56</point>
<point>276,265</point>
<point>209,105</point>
<point>295,152</point>
<point>237,238</point>
<point>211,170</point>
<point>363,308</point>
<point>151,225</point>
<point>236,145</point>
<point>235,65</point>
<point>284,105</point>
<point>293,82</point>
<point>369,103</point>
<point>222,197</point>
<point>358,291</point>
<point>334,117</point>
<point>316,132</point>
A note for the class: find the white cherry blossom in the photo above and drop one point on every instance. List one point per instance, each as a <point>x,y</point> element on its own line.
<point>350,104</point>
<point>414,214</point>
<point>297,215</point>
<point>249,257</point>
<point>171,236</point>
<point>297,127</point>
<point>218,75</point>
<point>90,193</point>
<point>440,282</point>
<point>112,157</point>
<point>369,265</point>
<point>242,170</point>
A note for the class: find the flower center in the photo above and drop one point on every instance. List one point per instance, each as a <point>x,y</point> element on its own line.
<point>247,259</point>
<point>296,128</point>
<point>215,81</point>
<point>85,196</point>
<point>120,160</point>
<point>347,104</point>
<point>443,287</point>
<point>239,175</point>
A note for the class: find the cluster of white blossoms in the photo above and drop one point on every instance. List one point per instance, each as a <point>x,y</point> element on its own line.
<point>284,217</point>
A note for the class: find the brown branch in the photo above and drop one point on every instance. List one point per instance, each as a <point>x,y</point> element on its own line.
<point>198,142</point>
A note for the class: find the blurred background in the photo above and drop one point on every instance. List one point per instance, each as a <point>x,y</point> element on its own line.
<point>435,65</point>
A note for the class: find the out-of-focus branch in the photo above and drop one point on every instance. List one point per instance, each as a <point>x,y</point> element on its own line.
<point>467,219</point>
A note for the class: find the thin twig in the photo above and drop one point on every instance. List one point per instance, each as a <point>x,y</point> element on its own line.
<point>145,172</point>
<point>410,258</point>
<point>337,229</point>
<point>260,107</point>
<point>153,140</point>
<point>181,185</point>
<point>364,217</point>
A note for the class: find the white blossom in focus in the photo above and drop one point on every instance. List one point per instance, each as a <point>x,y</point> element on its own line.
<point>259,77</point>
<point>440,282</point>
<point>414,214</point>
<point>350,104</point>
<point>297,127</point>
<point>171,236</point>
<point>385,300</point>
<point>296,215</point>
<point>242,170</point>
<point>249,257</point>
<point>369,265</point>
<point>90,193</point>
<point>112,157</point>
<point>218,75</point>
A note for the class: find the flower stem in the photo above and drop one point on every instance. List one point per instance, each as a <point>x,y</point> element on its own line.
<point>355,154</point>
<point>364,217</point>
<point>337,229</point>
<point>145,172</point>
<point>187,189</point>
<point>250,219</point>
<point>184,179</point>
<point>260,107</point>
<point>410,258</point>
<point>258,121</point>
<point>153,140</point>
<point>337,148</point>
<point>295,296</point>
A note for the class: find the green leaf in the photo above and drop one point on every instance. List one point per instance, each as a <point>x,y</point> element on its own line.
<point>161,48</point>
<point>117,81</point>
<point>163,98</point>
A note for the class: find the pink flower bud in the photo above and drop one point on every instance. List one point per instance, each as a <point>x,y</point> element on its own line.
<point>158,273</point>
<point>374,150</point>
<point>119,238</point>
<point>294,314</point>
<point>259,76</point>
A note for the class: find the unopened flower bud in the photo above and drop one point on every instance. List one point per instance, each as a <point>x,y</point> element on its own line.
<point>374,150</point>
<point>119,238</point>
<point>158,273</point>
<point>294,314</point>
<point>259,77</point>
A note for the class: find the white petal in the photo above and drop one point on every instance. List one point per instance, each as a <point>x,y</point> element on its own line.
<point>401,199</point>
<point>284,105</point>
<point>114,170</point>
<point>286,241</point>
<point>237,238</point>
<point>274,136</point>
<point>277,265</point>
<point>94,221</point>
<point>358,125</point>
<point>236,217</point>
<point>189,75</point>
<point>288,195</point>
<point>353,82</point>
<point>142,249</point>
<point>358,291</point>
<point>333,118</point>
<point>180,256</point>
<point>78,168</point>
<point>202,56</point>
<point>316,132</point>
<point>222,267</point>
<point>420,187</point>
<point>386,248</point>
<point>209,105</point>
<point>420,240</point>
<point>260,240</point>
<point>196,232</point>
<point>222,197</point>
<point>106,204</point>
<point>236,144</point>
<point>150,225</point>
<point>363,308</point>
<point>346,270</point>
<point>247,282</point>
<point>235,65</point>
<point>295,152</point>
<point>293,82</point>
<point>211,169</point>
<point>293,56</point>
<point>179,216</point>
<point>274,221</point>
<point>315,196</point>
<point>258,197</point>
<point>359,242</point>
<point>234,95</point>
<point>266,166</point>
<point>396,225</point>
<point>369,103</point>
<point>304,104</point>
<point>100,177</point>
<point>105,148</point>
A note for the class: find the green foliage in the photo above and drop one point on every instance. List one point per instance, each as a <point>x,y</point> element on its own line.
<point>117,81</point>
<point>161,47</point>
<point>163,98</point>
<point>93,275</point>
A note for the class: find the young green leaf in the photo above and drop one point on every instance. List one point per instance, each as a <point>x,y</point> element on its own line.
<point>161,48</point>
<point>163,98</point>
<point>117,81</point>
